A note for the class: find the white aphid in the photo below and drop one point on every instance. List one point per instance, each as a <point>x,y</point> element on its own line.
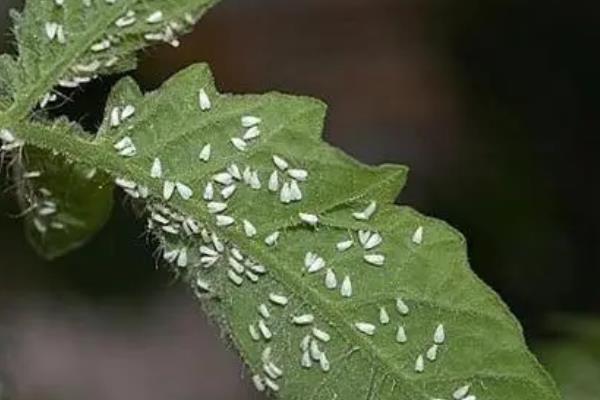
<point>250,121</point>
<point>62,39</point>
<point>306,361</point>
<point>374,241</point>
<point>272,385</point>
<point>316,265</point>
<point>366,328</point>
<point>420,364</point>
<point>401,335</point>
<point>375,259</point>
<point>295,192</point>
<point>345,245</point>
<point>384,317</point>
<point>346,289</point>
<point>155,17</point>
<point>192,226</point>
<point>255,181</point>
<point>310,219</point>
<point>228,191</point>
<point>100,46</point>
<point>265,356</point>
<point>208,251</point>
<point>274,182</point>
<point>236,254</point>
<point>124,143</point>
<point>247,175</point>
<point>51,28</point>
<point>209,192</point>
<point>305,343</point>
<point>205,152</point>
<point>225,220</point>
<point>264,330</point>
<point>461,392</point>
<point>249,229</point>
<point>224,178</point>
<point>251,133</point>
<point>280,163</point>
<point>309,258</point>
<point>314,350</point>
<point>128,151</point>
<point>235,278</point>
<point>278,299</point>
<point>439,337</point>
<point>402,307</point>
<point>156,171</point>
<point>272,239</point>
<point>252,276</point>
<point>273,370</point>
<point>235,265</point>
<point>215,207</point>
<point>330,279</point>
<point>259,269</point>
<point>432,353</point>
<point>305,319</point>
<point>470,397</point>
<point>160,219</point>
<point>263,310</point>
<point>204,100</point>
<point>217,243</point>
<point>239,143</point>
<point>298,174</point>
<point>203,285</point>
<point>285,196</point>
<point>259,383</point>
<point>418,236</point>
<point>324,363</point>
<point>184,191</point>
<point>321,335</point>
<point>171,255</point>
<point>127,112</point>
<point>168,189</point>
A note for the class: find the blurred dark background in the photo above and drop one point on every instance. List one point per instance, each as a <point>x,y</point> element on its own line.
<point>492,104</point>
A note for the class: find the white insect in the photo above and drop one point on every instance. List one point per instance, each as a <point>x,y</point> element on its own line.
<point>203,285</point>
<point>402,307</point>
<point>215,207</point>
<point>420,364</point>
<point>439,337</point>
<point>155,17</point>
<point>250,121</point>
<point>254,181</point>
<point>286,194</point>
<point>280,163</point>
<point>330,279</point>
<point>263,310</point>
<point>204,100</point>
<point>305,319</point>
<point>363,237</point>
<point>401,335</point>
<point>123,143</point>
<point>184,191</point>
<point>316,265</point>
<point>346,289</point>
<point>375,259</point>
<point>272,385</point>
<point>315,352</point>
<point>309,219</point>
<point>251,133</point>
<point>228,191</point>
<point>418,236</point>
<point>205,153</point>
<point>249,229</point>
<point>264,330</point>
<point>306,361</point>
<point>384,317</point>
<point>321,335</point>
<point>234,171</point>
<point>298,174</point>
<point>156,171</point>
<point>367,213</point>
<point>208,251</point>
<point>168,189</point>
<point>224,178</point>
<point>366,328</point>
<point>461,392</point>
<point>278,299</point>
<point>432,353</point>
<point>324,363</point>
<point>125,183</point>
<point>344,245</point>
<point>225,220</point>
<point>51,28</point>
<point>274,182</point>
<point>100,46</point>
<point>295,192</point>
<point>239,143</point>
<point>374,241</point>
<point>259,383</point>
<point>235,278</point>
<point>272,239</point>
<point>209,192</point>
<point>182,259</point>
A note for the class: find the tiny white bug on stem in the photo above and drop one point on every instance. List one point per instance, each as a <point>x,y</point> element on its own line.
<point>128,112</point>
<point>234,171</point>
<point>251,133</point>
<point>250,121</point>
<point>306,361</point>
<point>209,192</point>
<point>264,329</point>
<point>263,310</point>
<point>123,143</point>
<point>375,259</point>
<point>298,174</point>
<point>346,289</point>
<point>224,178</point>
<point>316,265</point>
<point>418,236</point>
<point>278,299</point>
<point>155,17</point>
<point>402,307</point>
<point>305,319</point>
<point>204,100</point>
<point>439,337</point>
<point>216,207</point>
<point>235,278</point>
<point>324,363</point>
<point>272,239</point>
<point>274,182</point>
<point>286,195</point>
<point>125,183</point>
<point>205,153</point>
<point>432,353</point>
<point>225,220</point>
<point>156,171</point>
<point>345,245</point>
<point>280,163</point>
<point>184,191</point>
<point>374,241</point>
<point>330,279</point>
<point>295,192</point>
<point>367,213</point>
<point>239,143</point>
<point>420,364</point>
<point>249,229</point>
<point>461,392</point>
<point>255,181</point>
<point>168,189</point>
<point>384,317</point>
<point>321,335</point>
<point>309,219</point>
<point>228,191</point>
<point>401,335</point>
<point>258,382</point>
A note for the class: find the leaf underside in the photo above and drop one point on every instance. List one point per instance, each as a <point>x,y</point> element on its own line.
<point>322,325</point>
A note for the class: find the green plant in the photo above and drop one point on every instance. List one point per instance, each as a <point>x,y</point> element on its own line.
<point>327,288</point>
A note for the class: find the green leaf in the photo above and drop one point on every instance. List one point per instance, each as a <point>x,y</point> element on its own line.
<point>425,262</point>
<point>82,39</point>
<point>573,357</point>
<point>58,45</point>
<point>65,203</point>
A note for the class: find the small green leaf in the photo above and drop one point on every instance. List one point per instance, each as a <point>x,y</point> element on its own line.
<point>404,317</point>
<point>65,203</point>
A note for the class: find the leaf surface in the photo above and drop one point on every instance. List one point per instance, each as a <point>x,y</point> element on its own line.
<point>415,276</point>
